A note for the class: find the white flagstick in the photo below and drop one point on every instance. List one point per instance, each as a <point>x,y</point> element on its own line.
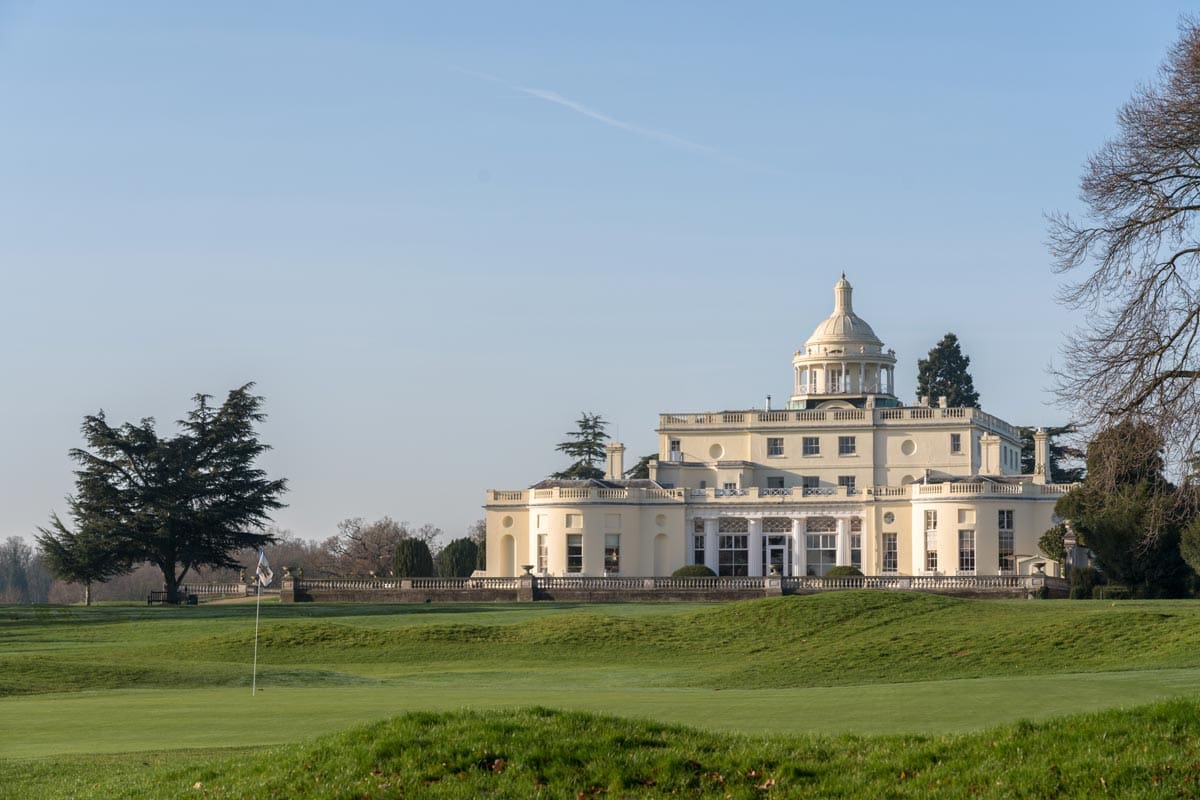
<point>262,576</point>
<point>257,606</point>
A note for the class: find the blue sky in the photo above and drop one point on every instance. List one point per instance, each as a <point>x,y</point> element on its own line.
<point>432,234</point>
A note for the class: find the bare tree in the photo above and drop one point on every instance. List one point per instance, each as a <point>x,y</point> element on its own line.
<point>1137,358</point>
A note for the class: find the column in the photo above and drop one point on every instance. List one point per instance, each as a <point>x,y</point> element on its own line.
<point>862,377</point>
<point>755,543</point>
<point>710,545</point>
<point>843,543</point>
<point>799,549</point>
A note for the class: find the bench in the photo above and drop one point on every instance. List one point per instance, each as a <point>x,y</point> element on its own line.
<point>160,597</point>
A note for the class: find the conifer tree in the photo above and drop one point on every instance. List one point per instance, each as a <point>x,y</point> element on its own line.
<point>944,374</point>
<point>585,445</point>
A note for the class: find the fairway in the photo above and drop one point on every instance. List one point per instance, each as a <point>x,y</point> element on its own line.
<point>139,679</point>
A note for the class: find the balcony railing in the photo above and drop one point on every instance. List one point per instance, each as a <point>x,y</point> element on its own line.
<point>816,418</point>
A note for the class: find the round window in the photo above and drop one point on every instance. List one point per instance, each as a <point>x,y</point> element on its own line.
<point>507,522</point>
<point>908,447</point>
<point>660,520</point>
<point>716,451</point>
<point>889,518</point>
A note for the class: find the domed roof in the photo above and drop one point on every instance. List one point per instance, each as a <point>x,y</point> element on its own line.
<point>843,327</point>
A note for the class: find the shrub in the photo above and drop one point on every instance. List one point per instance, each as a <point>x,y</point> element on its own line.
<point>843,572</point>
<point>1084,581</point>
<point>693,571</point>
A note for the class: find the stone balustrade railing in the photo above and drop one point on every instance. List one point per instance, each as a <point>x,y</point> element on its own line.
<point>584,587</point>
<point>756,494</point>
<point>812,418</point>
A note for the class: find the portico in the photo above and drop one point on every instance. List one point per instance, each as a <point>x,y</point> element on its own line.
<point>755,542</point>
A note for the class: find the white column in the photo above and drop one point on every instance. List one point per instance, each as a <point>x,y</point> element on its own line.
<point>843,543</point>
<point>755,542</point>
<point>862,377</point>
<point>710,545</point>
<point>799,551</point>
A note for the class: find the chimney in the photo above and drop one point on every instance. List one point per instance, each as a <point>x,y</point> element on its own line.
<point>1041,456</point>
<point>616,461</point>
<point>767,407</point>
<point>942,402</point>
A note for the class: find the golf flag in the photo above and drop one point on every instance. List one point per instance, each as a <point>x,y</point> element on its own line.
<point>264,570</point>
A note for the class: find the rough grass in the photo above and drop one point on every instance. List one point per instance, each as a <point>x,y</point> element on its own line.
<point>1148,752</point>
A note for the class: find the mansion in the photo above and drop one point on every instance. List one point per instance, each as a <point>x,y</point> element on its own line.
<point>846,475</point>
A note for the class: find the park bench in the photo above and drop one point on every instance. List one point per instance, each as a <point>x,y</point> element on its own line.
<point>160,597</point>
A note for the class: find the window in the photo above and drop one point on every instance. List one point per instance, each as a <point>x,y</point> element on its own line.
<point>774,481</point>
<point>774,446</point>
<point>574,520</point>
<point>574,552</point>
<point>931,520</point>
<point>733,555</point>
<point>856,551</point>
<point>703,484</point>
<point>891,554</point>
<point>612,552</point>
<point>820,552</point>
<point>847,446</point>
<point>698,548</point>
<point>966,551</point>
<point>543,557</point>
<point>1007,563</point>
<point>931,551</point>
<point>810,481</point>
<point>848,482</point>
<point>731,487</point>
<point>812,446</point>
<point>956,443</point>
<point>676,450</point>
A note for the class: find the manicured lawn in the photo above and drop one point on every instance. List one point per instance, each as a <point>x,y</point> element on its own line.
<point>132,679</point>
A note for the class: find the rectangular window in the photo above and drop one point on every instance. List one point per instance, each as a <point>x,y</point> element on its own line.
<point>931,520</point>
<point>956,443</point>
<point>733,555</point>
<point>931,551</point>
<point>612,553</point>
<point>574,552</point>
<point>848,482</point>
<point>774,446</point>
<point>812,446</point>
<point>543,554</point>
<point>966,551</point>
<point>574,520</point>
<point>774,481</point>
<point>698,549</point>
<point>847,446</point>
<point>676,451</point>
<point>810,481</point>
<point>703,484</point>
<point>731,487</point>
<point>1007,562</point>
<point>891,553</point>
<point>856,551</point>
<point>820,552</point>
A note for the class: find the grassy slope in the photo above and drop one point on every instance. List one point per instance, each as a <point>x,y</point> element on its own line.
<point>1148,752</point>
<point>130,678</point>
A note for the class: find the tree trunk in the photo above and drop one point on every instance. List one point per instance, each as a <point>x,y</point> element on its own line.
<point>87,593</point>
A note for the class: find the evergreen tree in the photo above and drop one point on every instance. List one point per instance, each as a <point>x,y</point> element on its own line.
<point>80,556</point>
<point>457,559</point>
<point>189,501</point>
<point>586,446</point>
<point>944,374</point>
<point>1128,514</point>
<point>642,468</point>
<point>412,559</point>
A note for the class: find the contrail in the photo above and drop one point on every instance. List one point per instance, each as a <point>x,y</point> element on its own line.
<point>556,98</point>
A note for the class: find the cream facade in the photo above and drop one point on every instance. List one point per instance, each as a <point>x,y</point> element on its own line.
<point>844,476</point>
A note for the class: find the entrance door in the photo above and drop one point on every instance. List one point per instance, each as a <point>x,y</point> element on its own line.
<point>776,555</point>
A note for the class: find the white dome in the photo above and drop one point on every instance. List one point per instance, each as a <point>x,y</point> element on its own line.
<point>843,327</point>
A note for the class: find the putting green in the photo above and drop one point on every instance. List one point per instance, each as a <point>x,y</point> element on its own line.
<point>159,719</point>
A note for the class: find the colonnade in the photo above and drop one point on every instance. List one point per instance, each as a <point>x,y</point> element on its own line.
<point>755,534</point>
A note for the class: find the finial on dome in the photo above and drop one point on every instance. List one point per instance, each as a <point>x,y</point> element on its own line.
<point>841,296</point>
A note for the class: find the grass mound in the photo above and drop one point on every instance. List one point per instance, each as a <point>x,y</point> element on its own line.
<point>1145,752</point>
